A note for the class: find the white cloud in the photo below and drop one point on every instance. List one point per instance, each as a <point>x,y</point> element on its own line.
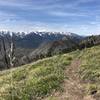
<point>38,26</point>
<point>84,1</point>
<point>10,21</point>
<point>64,14</point>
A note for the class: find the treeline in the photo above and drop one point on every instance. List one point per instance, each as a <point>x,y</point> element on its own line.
<point>89,42</point>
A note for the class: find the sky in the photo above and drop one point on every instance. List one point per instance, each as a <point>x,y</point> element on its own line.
<point>77,16</point>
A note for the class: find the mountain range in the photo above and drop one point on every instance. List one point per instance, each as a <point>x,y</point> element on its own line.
<point>37,45</point>
<point>34,39</point>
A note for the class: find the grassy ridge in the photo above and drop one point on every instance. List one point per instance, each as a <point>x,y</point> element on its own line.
<point>37,80</point>
<point>34,81</point>
<point>90,68</point>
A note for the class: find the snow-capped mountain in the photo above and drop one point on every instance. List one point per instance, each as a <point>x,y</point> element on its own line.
<point>34,39</point>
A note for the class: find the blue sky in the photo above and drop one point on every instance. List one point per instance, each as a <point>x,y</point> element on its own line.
<point>78,16</point>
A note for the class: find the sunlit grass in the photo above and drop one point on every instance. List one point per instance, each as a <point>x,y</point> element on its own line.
<point>35,80</point>
<point>90,68</point>
<point>40,79</point>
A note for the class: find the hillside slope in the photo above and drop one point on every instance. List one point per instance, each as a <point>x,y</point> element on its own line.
<point>65,45</point>
<point>28,46</point>
<point>53,48</point>
<point>34,80</point>
<point>83,74</point>
<point>76,73</point>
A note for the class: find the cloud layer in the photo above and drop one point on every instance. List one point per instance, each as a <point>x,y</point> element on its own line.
<point>79,16</point>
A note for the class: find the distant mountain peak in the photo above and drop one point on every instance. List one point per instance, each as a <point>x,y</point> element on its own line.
<point>35,38</point>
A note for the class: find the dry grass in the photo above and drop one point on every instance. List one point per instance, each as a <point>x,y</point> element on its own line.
<point>36,80</point>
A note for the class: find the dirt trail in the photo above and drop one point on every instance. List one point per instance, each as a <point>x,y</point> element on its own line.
<point>74,89</point>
